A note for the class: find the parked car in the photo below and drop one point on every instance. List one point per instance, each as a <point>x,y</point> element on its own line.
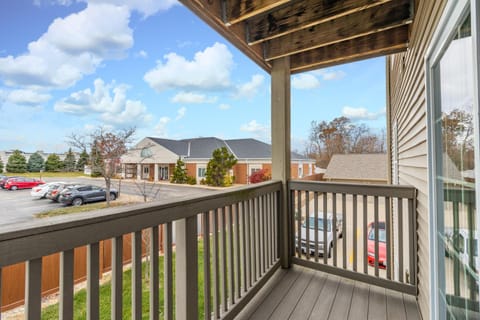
<point>54,190</point>
<point>382,244</point>
<point>41,190</point>
<point>80,194</point>
<point>311,233</point>
<point>4,179</point>
<point>22,183</point>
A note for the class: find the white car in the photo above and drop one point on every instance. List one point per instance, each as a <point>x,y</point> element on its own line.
<point>311,234</point>
<point>41,191</point>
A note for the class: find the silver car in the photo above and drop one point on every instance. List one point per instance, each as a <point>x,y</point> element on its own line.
<point>311,234</point>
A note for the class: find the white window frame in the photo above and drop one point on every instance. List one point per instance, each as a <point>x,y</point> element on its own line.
<point>453,12</point>
<point>201,166</point>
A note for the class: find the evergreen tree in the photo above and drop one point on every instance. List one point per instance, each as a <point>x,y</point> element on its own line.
<point>53,163</point>
<point>96,161</point>
<point>1,165</point>
<point>82,160</point>
<point>35,163</point>
<point>69,162</point>
<point>218,167</point>
<point>179,173</point>
<point>17,162</point>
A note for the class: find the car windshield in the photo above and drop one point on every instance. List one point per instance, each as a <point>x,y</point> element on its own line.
<point>382,235</point>
<point>311,224</point>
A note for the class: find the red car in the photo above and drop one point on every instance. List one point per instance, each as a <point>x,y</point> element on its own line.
<point>22,183</point>
<point>382,245</point>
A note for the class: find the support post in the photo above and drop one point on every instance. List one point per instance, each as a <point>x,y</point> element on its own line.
<point>186,280</point>
<point>280,120</point>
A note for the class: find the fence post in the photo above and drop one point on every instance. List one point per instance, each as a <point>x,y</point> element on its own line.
<point>186,277</point>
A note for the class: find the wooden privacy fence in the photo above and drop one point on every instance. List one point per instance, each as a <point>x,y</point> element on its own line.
<point>13,277</point>
<point>371,234</point>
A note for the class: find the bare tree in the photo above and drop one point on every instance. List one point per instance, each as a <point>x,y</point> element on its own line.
<point>108,147</point>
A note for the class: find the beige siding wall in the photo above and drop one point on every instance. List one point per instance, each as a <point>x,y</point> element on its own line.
<point>408,109</point>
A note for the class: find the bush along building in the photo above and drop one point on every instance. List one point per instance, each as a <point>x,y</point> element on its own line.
<point>154,159</point>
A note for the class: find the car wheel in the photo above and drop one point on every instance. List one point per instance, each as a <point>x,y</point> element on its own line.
<point>113,196</point>
<point>13,188</point>
<point>77,202</point>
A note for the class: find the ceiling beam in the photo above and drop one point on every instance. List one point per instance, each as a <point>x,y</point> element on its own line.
<point>302,14</point>
<point>373,45</point>
<point>210,11</point>
<point>362,23</point>
<point>240,10</point>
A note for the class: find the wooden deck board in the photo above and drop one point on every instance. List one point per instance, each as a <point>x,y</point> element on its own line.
<point>302,293</point>
<point>271,302</point>
<point>359,304</point>
<point>309,298</point>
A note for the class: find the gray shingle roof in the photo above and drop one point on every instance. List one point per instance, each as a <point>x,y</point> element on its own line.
<point>357,167</point>
<point>202,148</point>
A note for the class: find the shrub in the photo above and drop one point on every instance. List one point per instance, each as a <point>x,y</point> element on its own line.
<point>179,173</point>
<point>259,176</point>
<point>191,180</point>
<point>17,162</point>
<point>35,163</point>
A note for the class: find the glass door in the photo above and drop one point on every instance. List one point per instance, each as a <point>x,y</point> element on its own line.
<point>455,136</point>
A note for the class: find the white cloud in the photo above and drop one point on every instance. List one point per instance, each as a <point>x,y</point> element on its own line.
<point>145,7</point>
<point>161,127</point>
<point>141,54</point>
<point>191,97</point>
<point>362,113</point>
<point>224,106</point>
<point>27,97</point>
<point>116,109</point>
<point>305,81</point>
<point>72,47</point>
<point>181,113</point>
<point>250,89</point>
<point>329,74</point>
<point>209,70</point>
<point>255,128</point>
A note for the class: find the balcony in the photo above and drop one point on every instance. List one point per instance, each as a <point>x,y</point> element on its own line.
<point>223,255</point>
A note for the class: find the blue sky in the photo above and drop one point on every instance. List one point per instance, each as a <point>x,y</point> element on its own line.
<point>68,66</point>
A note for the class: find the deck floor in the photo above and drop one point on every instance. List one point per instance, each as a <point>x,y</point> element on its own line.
<point>302,293</point>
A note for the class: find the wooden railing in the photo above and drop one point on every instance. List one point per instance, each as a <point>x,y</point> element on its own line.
<point>238,231</point>
<point>336,228</point>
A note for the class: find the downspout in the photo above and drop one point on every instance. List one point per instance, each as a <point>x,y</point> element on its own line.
<point>389,121</point>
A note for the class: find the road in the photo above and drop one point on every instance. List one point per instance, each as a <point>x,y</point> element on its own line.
<point>18,206</point>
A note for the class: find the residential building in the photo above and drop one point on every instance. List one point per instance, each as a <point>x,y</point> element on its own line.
<point>357,168</point>
<point>154,159</point>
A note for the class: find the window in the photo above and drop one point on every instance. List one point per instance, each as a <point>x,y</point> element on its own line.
<point>300,170</point>
<point>201,172</point>
<point>453,137</point>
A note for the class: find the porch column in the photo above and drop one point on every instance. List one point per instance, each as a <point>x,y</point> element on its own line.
<point>139,171</point>
<point>280,120</point>
<point>155,178</point>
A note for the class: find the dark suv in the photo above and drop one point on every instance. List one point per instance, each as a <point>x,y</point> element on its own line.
<point>80,194</point>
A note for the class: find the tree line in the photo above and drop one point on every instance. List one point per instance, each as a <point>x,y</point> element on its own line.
<point>341,135</point>
<point>17,162</point>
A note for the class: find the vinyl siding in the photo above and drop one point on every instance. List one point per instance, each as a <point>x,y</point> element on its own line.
<point>408,107</point>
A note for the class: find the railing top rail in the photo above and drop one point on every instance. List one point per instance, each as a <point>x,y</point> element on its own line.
<point>19,243</point>
<point>381,190</point>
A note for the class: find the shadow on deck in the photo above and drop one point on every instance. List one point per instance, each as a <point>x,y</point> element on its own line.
<point>302,293</point>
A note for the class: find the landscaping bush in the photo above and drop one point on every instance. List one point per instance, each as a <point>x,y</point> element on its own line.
<point>259,176</point>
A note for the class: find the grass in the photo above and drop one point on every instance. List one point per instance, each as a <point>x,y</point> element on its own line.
<point>49,174</point>
<point>79,209</point>
<point>80,310</point>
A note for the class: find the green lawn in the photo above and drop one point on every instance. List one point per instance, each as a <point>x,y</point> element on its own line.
<point>84,208</point>
<point>48,174</point>
<point>51,312</point>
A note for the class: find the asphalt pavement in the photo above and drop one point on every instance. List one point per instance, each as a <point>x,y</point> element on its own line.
<point>19,206</point>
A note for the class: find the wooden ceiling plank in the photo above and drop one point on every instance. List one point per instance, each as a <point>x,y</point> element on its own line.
<point>378,44</point>
<point>303,14</point>
<point>210,12</point>
<point>379,18</point>
<point>240,10</point>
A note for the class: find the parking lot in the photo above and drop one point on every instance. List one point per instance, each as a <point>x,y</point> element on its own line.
<point>19,206</point>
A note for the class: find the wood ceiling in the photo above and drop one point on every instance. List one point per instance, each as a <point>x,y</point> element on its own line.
<point>313,33</point>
